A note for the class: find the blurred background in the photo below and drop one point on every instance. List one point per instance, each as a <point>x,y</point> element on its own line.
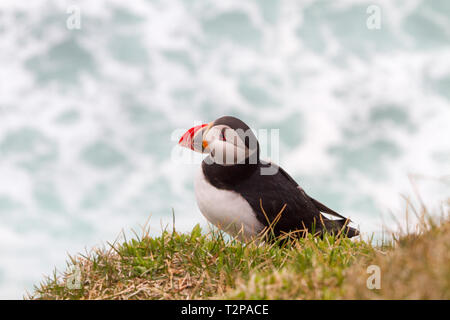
<point>89,113</point>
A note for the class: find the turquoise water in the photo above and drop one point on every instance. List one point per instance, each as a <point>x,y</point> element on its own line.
<point>89,117</point>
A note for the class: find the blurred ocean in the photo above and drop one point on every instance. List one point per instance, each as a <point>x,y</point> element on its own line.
<point>87,116</point>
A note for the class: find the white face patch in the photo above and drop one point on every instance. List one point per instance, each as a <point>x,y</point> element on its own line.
<point>226,146</point>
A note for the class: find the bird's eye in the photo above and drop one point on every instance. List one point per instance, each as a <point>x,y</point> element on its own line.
<point>222,135</point>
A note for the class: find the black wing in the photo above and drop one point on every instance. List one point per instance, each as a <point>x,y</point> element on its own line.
<point>320,206</point>
<point>270,194</point>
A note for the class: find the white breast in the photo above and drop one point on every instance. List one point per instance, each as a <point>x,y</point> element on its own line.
<point>225,209</point>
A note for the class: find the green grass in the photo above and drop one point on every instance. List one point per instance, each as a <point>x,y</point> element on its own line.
<point>196,265</point>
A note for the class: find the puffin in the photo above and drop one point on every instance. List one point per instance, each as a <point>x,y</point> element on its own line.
<point>245,196</point>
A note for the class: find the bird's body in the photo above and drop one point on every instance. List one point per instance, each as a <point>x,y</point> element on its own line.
<point>246,197</point>
<point>226,209</point>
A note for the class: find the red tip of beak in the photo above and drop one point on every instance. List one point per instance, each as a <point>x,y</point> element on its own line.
<point>187,140</point>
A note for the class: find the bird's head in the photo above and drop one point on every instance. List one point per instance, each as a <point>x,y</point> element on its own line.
<point>227,140</point>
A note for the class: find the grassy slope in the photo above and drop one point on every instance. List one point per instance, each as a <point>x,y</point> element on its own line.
<point>198,266</point>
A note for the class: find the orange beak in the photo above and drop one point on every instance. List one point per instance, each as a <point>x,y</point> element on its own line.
<point>187,140</point>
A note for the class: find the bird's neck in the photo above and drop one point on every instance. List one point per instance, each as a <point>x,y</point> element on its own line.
<point>225,177</point>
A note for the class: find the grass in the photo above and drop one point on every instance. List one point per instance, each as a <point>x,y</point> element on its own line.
<point>413,265</point>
